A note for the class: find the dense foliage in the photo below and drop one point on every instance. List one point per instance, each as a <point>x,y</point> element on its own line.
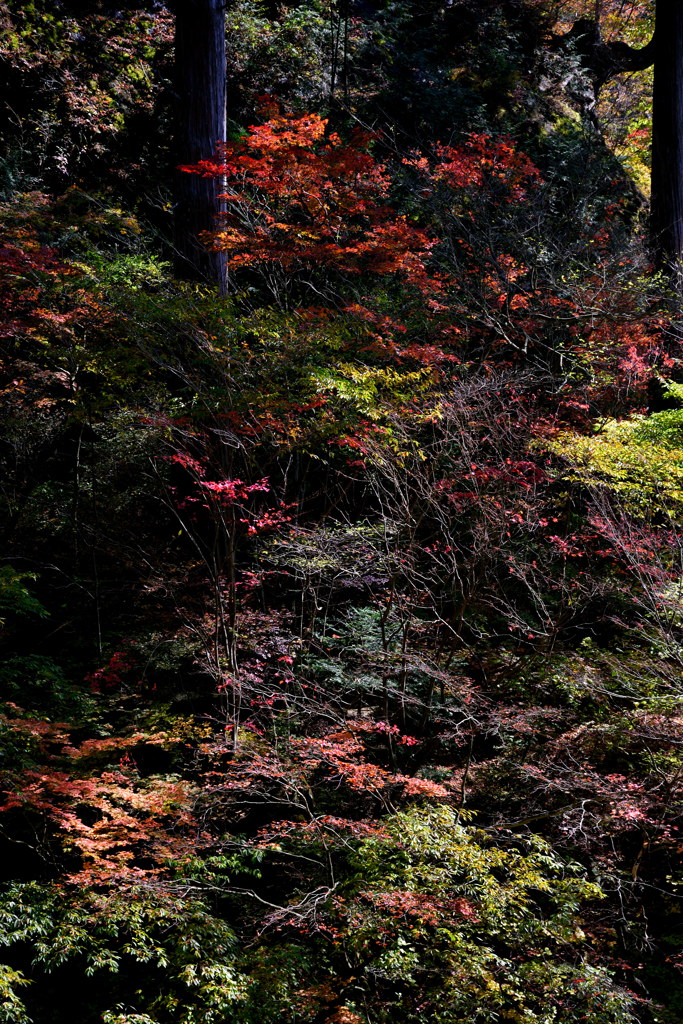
<point>341,618</point>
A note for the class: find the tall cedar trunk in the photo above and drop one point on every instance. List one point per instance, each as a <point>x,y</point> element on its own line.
<point>200,84</point>
<point>667,137</point>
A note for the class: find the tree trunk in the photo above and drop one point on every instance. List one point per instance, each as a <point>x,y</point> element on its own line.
<point>667,138</point>
<point>200,85</point>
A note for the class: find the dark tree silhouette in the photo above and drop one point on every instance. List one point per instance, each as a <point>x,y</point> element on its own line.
<point>667,135</point>
<point>201,123</point>
<point>665,50</point>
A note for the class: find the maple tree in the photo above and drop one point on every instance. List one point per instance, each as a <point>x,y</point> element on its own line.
<point>299,199</point>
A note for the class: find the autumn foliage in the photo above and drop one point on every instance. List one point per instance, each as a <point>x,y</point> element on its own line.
<point>340,618</point>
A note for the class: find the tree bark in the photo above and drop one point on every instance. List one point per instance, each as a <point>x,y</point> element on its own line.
<point>666,218</point>
<point>201,123</point>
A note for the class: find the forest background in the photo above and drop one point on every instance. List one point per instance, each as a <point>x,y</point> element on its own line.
<point>342,623</point>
